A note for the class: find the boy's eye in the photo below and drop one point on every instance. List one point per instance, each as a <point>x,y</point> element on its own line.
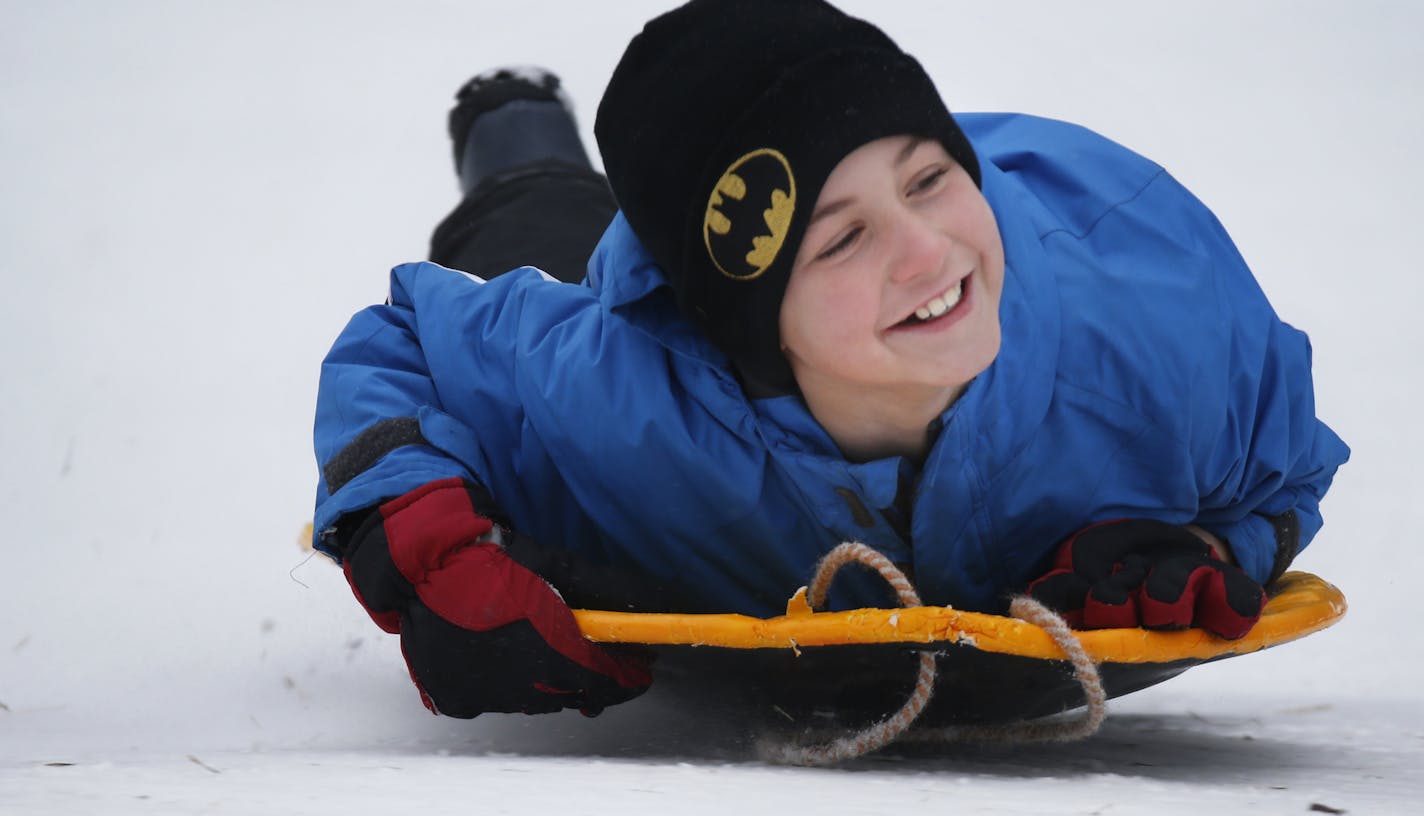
<point>841,244</point>
<point>928,180</point>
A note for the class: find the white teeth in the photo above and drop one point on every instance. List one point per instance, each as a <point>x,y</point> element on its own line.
<point>941,304</point>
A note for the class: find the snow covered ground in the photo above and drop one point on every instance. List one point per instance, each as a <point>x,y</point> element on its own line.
<point>195,196</point>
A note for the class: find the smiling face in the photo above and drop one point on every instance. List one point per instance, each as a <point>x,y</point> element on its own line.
<point>894,294</point>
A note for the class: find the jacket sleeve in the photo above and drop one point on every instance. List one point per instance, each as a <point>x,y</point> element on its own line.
<point>414,390</point>
<point>1262,458</point>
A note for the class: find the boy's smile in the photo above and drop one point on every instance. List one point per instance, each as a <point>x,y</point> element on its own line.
<point>938,306</point>
<point>892,305</point>
<point>939,311</point>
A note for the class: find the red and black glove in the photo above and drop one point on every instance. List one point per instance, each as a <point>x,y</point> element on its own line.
<point>1141,572</point>
<point>479,631</point>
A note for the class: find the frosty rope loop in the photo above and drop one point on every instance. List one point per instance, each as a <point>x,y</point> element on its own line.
<point>895,726</point>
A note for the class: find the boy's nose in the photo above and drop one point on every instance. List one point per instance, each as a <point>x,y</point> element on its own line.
<point>921,247</point>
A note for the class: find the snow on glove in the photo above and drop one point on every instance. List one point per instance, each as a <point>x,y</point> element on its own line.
<point>479,631</point>
<point>1141,572</point>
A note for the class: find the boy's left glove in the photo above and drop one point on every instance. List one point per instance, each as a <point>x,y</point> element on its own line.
<point>1141,572</point>
<point>480,632</point>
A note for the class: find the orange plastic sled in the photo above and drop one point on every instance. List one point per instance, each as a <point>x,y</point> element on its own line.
<point>856,665</point>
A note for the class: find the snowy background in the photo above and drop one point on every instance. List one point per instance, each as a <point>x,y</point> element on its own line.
<point>194,197</point>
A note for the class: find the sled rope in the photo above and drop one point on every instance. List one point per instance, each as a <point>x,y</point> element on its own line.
<point>880,734</point>
<point>854,551</point>
<point>897,725</point>
<point>1047,729</point>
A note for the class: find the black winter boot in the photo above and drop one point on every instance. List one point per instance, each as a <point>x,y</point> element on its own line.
<point>508,119</point>
<point>530,195</point>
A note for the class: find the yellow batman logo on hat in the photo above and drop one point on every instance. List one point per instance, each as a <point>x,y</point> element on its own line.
<point>749,214</point>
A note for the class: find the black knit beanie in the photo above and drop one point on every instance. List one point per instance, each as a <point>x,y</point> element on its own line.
<point>718,129</point>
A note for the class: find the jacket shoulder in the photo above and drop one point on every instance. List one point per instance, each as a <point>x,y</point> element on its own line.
<point>1076,173</point>
<point>1141,269</point>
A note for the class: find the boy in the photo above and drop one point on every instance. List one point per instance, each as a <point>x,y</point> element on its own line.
<point>825,310</point>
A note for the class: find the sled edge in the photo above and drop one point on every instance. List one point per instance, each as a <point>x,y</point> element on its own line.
<point>1300,604</point>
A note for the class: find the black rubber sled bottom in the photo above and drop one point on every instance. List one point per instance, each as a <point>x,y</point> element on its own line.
<point>857,685</point>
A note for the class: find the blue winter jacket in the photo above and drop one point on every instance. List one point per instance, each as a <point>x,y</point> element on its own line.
<point>1142,373</point>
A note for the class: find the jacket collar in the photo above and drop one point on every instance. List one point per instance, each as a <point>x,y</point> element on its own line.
<point>621,270</point>
<point>628,282</point>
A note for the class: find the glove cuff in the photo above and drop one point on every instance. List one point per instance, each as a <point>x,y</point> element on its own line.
<point>428,523</point>
<point>1287,529</point>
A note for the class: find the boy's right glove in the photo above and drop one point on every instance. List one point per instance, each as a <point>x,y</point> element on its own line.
<point>1141,572</point>
<point>479,631</point>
